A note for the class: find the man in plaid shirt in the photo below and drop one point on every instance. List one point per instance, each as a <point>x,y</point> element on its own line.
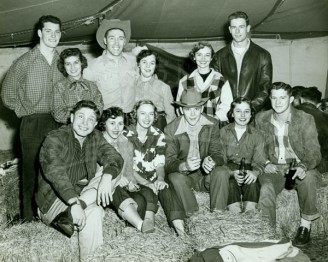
<point>28,90</point>
<point>289,134</point>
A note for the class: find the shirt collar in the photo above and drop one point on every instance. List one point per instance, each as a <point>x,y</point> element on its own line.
<point>108,59</point>
<point>274,121</point>
<point>150,82</point>
<point>236,49</point>
<point>183,125</point>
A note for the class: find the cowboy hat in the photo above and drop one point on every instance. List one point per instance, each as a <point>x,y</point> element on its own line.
<point>106,25</point>
<point>191,98</point>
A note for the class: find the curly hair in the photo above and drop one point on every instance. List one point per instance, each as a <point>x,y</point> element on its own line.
<point>197,47</point>
<point>68,53</point>
<point>145,53</point>
<point>86,104</point>
<point>138,105</point>
<point>110,113</point>
<point>238,101</point>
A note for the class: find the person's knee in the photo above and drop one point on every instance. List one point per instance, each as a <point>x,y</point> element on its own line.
<point>176,178</point>
<point>221,173</point>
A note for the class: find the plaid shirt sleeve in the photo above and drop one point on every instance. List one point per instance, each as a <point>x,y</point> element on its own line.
<point>13,82</point>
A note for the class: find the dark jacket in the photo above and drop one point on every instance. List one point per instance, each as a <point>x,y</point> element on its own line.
<point>321,121</point>
<point>302,133</point>
<point>56,158</point>
<point>255,76</point>
<point>178,144</point>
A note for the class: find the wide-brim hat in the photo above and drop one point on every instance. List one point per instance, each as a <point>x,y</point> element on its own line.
<point>106,25</point>
<point>191,98</point>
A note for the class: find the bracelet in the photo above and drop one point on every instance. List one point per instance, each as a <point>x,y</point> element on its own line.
<point>267,163</point>
<point>76,202</point>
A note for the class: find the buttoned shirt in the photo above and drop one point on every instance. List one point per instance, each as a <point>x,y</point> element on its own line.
<point>159,93</point>
<point>115,80</point>
<point>28,86</point>
<point>283,150</point>
<point>68,92</point>
<point>192,132</point>
<point>250,145</point>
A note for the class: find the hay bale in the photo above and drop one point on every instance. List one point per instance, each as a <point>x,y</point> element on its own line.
<point>9,197</point>
<point>288,212</point>
<point>217,228</point>
<point>36,242</point>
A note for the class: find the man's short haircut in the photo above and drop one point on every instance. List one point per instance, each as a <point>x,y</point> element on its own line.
<point>282,85</point>
<point>239,14</point>
<point>324,105</point>
<point>197,47</point>
<point>86,104</point>
<point>312,94</point>
<point>114,29</point>
<point>297,91</point>
<point>48,18</point>
<point>68,53</point>
<point>237,101</point>
<point>138,105</point>
<point>110,113</point>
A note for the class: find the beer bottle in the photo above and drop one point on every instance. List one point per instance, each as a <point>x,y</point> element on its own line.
<point>242,169</point>
<point>290,182</point>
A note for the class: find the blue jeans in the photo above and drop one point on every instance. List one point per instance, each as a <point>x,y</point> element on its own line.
<point>216,183</point>
<point>273,184</point>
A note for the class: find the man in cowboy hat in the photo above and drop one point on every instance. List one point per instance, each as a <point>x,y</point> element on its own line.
<point>115,71</point>
<point>190,163</point>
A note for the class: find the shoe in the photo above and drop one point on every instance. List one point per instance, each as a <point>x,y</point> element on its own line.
<point>63,222</point>
<point>147,226</point>
<point>302,237</point>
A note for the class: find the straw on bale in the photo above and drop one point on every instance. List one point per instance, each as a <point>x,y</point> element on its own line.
<point>288,212</point>
<point>37,242</point>
<point>223,227</point>
<point>9,198</point>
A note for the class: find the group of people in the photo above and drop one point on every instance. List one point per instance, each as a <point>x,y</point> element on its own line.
<point>110,133</point>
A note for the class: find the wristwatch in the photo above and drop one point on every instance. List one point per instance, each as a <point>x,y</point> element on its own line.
<point>76,202</point>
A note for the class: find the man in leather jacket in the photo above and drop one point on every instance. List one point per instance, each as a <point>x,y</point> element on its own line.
<point>247,66</point>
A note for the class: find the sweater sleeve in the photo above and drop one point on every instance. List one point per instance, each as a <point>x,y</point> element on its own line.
<point>226,99</point>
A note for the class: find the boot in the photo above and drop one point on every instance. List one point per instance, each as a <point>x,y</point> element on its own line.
<point>235,207</point>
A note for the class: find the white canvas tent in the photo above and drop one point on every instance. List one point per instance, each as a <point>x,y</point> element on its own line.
<point>295,32</point>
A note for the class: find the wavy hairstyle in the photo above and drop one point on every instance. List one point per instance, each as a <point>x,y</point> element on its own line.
<point>199,46</point>
<point>68,53</point>
<point>238,101</point>
<point>138,105</point>
<point>110,113</point>
<point>86,104</point>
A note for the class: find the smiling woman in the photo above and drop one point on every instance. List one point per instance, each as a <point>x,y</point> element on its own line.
<point>73,88</point>
<point>208,82</point>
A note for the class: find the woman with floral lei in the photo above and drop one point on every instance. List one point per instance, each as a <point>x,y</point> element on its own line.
<point>149,160</point>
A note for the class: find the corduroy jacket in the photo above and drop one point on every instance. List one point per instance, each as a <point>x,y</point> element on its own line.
<point>56,158</point>
<point>177,145</point>
<point>302,133</point>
